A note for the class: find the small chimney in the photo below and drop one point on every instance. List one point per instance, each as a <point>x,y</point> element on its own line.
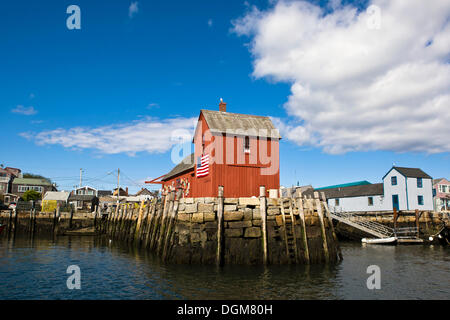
<point>222,106</point>
<point>127,191</point>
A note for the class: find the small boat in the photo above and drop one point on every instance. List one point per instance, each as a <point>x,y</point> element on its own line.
<point>390,240</point>
<point>2,226</point>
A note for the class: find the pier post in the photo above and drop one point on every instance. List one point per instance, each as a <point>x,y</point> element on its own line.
<point>335,239</point>
<point>220,205</point>
<point>151,223</point>
<point>170,223</point>
<point>139,222</point>
<point>263,212</point>
<point>167,209</point>
<point>395,221</point>
<point>157,222</point>
<point>417,222</point>
<point>301,213</point>
<point>322,226</point>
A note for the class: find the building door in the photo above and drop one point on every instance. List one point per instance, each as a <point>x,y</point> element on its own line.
<point>395,201</point>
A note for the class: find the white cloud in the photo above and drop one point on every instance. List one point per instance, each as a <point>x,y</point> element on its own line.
<point>133,9</point>
<point>210,22</point>
<point>149,135</point>
<point>28,111</point>
<point>356,87</point>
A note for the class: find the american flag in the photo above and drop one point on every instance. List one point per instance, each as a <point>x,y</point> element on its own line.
<point>203,166</point>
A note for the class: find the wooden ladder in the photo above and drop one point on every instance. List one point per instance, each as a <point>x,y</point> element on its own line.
<point>289,231</point>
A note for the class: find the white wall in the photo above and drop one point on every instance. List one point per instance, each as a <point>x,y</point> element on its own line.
<point>354,204</point>
<point>426,191</point>
<point>399,189</point>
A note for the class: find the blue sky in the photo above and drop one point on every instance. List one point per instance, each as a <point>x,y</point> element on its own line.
<point>71,98</point>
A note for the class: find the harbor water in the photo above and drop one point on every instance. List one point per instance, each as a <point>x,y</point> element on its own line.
<point>37,269</point>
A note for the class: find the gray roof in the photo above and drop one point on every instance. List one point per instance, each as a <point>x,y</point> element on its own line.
<point>81,197</point>
<point>186,164</point>
<point>412,172</point>
<point>240,124</point>
<point>352,191</point>
<point>56,195</point>
<point>103,193</point>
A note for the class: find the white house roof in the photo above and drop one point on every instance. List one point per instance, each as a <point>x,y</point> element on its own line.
<point>57,195</point>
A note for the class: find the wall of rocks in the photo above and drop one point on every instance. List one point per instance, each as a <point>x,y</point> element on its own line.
<point>229,230</point>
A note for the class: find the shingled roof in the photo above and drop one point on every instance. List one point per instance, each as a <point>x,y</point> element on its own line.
<point>411,172</point>
<point>236,123</point>
<point>186,164</point>
<point>351,191</point>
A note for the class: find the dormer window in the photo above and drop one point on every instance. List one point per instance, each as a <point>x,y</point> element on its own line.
<point>394,181</point>
<point>247,144</point>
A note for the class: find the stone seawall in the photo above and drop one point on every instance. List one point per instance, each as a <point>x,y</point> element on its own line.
<point>229,230</point>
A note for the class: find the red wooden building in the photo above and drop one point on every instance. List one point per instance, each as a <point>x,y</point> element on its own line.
<point>237,151</point>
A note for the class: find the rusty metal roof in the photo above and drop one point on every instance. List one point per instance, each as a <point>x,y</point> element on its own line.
<point>240,124</point>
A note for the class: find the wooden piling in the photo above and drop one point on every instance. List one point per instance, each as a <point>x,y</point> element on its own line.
<point>139,222</point>
<point>170,224</point>
<point>322,226</point>
<point>167,208</point>
<point>301,213</point>
<point>263,212</point>
<point>335,239</point>
<point>417,222</point>
<point>157,222</point>
<point>220,238</point>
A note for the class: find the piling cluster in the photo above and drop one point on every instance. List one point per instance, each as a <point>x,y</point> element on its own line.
<point>220,230</point>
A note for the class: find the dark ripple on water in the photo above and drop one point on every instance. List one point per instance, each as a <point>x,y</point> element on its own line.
<point>37,270</point>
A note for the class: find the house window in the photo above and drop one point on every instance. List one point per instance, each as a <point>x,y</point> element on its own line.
<point>370,201</point>
<point>26,188</point>
<point>419,182</point>
<point>247,144</point>
<point>420,200</point>
<point>336,202</point>
<point>394,181</point>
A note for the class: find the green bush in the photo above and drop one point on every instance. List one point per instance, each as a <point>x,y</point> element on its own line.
<point>31,195</point>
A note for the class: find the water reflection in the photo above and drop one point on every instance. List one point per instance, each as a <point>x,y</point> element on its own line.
<point>36,269</point>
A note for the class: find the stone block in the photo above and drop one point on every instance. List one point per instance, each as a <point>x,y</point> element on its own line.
<point>233,233</point>
<point>249,201</point>
<point>233,215</point>
<point>202,207</point>
<point>273,211</point>
<point>210,225</point>
<point>257,222</point>
<point>272,202</point>
<point>191,208</point>
<point>279,220</point>
<point>239,224</point>
<point>209,216</point>
<point>248,215</point>
<point>230,207</point>
<point>230,201</point>
<point>197,217</point>
<point>184,217</point>
<point>188,200</point>
<point>252,232</point>
<point>210,200</point>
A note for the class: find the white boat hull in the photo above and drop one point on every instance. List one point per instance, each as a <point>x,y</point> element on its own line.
<point>390,240</point>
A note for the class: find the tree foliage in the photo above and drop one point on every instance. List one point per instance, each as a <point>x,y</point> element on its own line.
<point>31,195</point>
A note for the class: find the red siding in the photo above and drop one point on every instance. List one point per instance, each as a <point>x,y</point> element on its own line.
<point>239,179</point>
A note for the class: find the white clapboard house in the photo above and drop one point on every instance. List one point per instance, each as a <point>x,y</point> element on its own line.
<point>402,188</point>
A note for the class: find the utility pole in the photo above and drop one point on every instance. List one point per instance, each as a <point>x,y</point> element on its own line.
<point>81,172</point>
<point>118,185</point>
